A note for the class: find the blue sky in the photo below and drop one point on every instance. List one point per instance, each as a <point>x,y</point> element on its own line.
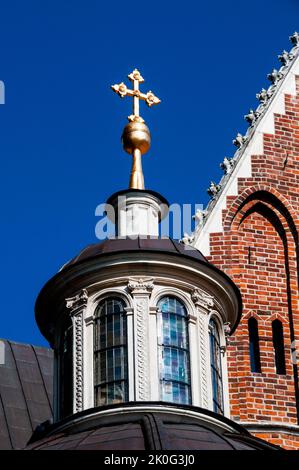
<point>61,124</point>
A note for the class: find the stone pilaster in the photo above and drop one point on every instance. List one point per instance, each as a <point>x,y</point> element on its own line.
<point>204,303</point>
<point>140,290</point>
<point>77,305</point>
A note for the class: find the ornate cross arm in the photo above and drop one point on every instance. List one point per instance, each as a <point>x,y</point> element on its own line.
<point>122,90</point>
<point>148,97</point>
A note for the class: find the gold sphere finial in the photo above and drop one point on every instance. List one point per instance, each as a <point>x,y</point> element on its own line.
<point>136,135</point>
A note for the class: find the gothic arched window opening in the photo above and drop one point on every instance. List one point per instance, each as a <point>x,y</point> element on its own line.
<point>174,354</point>
<point>66,370</point>
<point>110,352</point>
<point>278,344</point>
<point>216,367</point>
<point>254,345</point>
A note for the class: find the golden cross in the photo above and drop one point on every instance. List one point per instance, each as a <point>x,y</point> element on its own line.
<point>149,97</point>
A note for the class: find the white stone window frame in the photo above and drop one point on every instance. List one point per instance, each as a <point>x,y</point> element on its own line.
<point>142,345</point>
<point>215,315</point>
<point>88,341</point>
<point>158,294</point>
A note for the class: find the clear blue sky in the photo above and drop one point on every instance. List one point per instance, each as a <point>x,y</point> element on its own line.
<point>60,127</point>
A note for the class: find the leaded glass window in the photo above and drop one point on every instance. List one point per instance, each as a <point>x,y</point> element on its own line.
<point>174,355</point>
<point>216,367</point>
<point>110,352</point>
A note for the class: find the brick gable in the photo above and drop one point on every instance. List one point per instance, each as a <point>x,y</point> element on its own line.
<point>259,249</point>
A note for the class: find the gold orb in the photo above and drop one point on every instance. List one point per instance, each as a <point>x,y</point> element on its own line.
<point>136,135</point>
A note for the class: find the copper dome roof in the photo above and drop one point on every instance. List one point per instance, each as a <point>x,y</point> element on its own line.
<point>147,426</point>
<point>166,245</point>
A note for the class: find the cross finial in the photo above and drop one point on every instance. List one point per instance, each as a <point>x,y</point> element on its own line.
<point>149,97</point>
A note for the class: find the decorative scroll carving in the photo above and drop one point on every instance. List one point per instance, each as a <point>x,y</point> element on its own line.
<point>78,300</point>
<point>202,299</point>
<point>140,286</point>
<point>78,361</point>
<point>142,348</point>
<point>203,361</point>
<point>77,305</point>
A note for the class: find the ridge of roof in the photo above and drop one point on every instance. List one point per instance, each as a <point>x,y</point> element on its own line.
<point>254,118</point>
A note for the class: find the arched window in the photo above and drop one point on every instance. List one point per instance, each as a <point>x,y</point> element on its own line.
<point>254,346</point>
<point>174,355</point>
<point>277,332</point>
<point>66,370</point>
<point>110,352</point>
<point>216,367</point>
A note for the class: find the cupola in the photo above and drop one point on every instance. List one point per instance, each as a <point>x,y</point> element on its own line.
<point>139,323</point>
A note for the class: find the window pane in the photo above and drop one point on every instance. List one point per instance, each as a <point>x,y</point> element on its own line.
<point>110,361</point>
<point>174,353</point>
<point>216,368</point>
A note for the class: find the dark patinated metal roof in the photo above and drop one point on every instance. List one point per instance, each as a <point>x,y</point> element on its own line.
<point>166,245</point>
<point>26,382</point>
<point>150,428</point>
<point>45,307</point>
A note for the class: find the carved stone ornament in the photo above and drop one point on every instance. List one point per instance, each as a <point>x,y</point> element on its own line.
<point>202,299</point>
<point>285,57</point>
<point>199,216</point>
<point>274,76</point>
<point>227,328</point>
<point>140,286</point>
<point>295,39</point>
<point>239,140</point>
<point>78,300</point>
<point>203,363</point>
<point>78,337</point>
<point>295,351</point>
<point>252,116</point>
<point>187,239</point>
<point>227,165</point>
<point>262,96</point>
<point>141,349</point>
<point>213,189</point>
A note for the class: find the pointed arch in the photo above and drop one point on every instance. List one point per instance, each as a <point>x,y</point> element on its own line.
<point>276,209</point>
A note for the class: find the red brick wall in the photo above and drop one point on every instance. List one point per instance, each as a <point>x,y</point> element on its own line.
<point>259,250</point>
<point>287,441</point>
